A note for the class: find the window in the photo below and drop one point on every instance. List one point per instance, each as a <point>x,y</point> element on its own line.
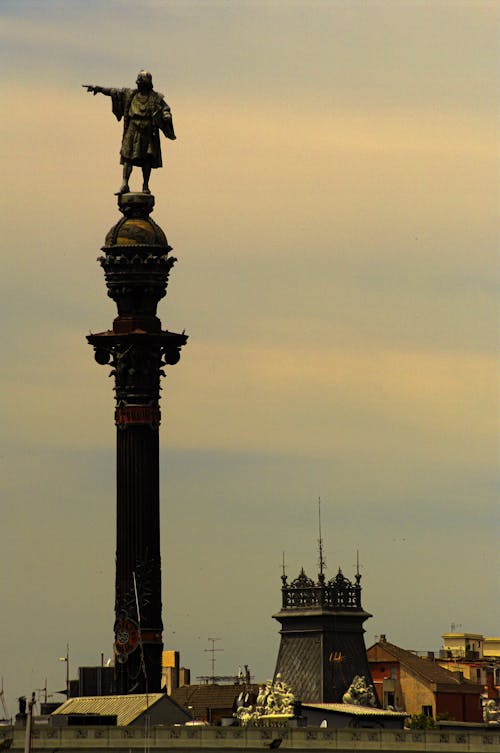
<point>390,700</point>
<point>427,710</point>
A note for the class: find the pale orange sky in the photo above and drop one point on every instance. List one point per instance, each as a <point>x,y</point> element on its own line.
<point>331,200</point>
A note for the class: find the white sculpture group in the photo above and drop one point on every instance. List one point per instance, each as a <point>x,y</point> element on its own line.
<point>491,713</point>
<point>275,698</point>
<point>359,693</point>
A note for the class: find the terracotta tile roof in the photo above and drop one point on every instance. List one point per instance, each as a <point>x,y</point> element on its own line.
<point>426,669</point>
<point>215,697</point>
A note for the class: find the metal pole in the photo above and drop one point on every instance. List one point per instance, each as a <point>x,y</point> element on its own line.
<point>67,671</point>
<point>29,722</point>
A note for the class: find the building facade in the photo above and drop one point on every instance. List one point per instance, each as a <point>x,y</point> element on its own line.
<point>406,682</point>
<point>477,657</point>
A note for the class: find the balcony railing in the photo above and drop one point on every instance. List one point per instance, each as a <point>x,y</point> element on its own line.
<point>322,596</point>
<point>458,654</point>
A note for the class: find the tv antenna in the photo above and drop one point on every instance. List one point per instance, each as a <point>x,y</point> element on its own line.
<point>6,717</point>
<point>322,563</point>
<point>212,651</point>
<point>358,567</point>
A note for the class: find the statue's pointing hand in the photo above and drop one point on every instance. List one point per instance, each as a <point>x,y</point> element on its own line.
<point>91,88</point>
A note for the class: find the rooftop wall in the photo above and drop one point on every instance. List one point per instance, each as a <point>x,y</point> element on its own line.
<point>78,739</point>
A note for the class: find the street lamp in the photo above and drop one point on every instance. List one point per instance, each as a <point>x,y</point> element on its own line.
<point>66,659</point>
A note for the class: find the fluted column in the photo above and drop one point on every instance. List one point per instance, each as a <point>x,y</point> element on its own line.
<point>137,264</point>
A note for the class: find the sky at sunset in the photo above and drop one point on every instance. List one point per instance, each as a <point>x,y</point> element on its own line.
<point>331,201</point>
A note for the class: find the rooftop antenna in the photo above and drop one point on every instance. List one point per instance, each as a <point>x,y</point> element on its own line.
<point>283,569</point>
<point>66,659</point>
<point>6,716</point>
<point>212,651</point>
<point>358,574</point>
<point>322,563</point>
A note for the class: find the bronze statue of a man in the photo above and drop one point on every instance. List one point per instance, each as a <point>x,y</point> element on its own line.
<point>144,114</point>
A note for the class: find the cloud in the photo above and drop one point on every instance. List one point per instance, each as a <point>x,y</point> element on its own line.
<point>301,240</point>
<point>393,403</point>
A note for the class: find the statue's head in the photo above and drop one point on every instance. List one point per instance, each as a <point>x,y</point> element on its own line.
<point>144,80</point>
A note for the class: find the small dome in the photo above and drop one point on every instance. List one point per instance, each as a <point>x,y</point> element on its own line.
<point>136,231</point>
<point>136,228</point>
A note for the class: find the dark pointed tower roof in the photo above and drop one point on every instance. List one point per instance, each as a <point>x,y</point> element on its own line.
<point>322,647</point>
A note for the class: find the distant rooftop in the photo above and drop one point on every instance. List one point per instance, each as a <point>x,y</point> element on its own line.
<point>126,707</point>
<point>425,669</point>
<point>354,710</point>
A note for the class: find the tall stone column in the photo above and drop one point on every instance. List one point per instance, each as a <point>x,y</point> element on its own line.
<point>136,265</point>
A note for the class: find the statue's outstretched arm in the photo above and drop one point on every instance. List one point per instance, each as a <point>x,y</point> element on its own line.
<point>97,89</point>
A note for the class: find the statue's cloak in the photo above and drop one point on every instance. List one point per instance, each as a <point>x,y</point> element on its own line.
<point>141,125</point>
